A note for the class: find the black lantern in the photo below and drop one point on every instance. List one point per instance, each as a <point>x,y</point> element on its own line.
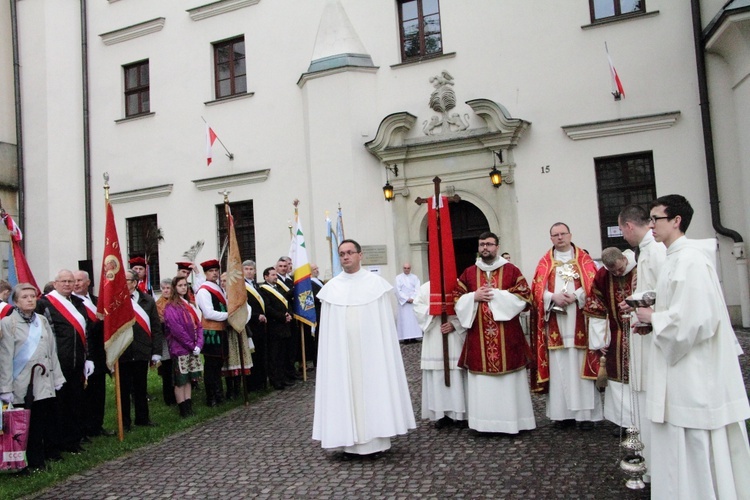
<point>388,192</point>
<point>495,175</point>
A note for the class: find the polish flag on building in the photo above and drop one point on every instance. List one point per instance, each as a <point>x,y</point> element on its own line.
<point>617,89</point>
<point>210,139</point>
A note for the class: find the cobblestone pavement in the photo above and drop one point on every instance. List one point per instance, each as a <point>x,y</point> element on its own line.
<point>265,451</point>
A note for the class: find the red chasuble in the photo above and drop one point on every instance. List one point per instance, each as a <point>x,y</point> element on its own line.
<point>494,347</point>
<point>607,291</point>
<point>548,332</point>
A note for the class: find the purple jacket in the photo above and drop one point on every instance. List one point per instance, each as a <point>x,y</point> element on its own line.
<point>180,330</point>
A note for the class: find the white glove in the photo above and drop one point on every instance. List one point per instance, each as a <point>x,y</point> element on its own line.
<point>196,351</point>
<point>88,368</point>
<point>7,397</point>
<point>155,358</point>
<point>58,387</point>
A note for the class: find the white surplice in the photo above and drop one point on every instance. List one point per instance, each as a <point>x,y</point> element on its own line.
<point>407,287</point>
<point>697,400</point>
<point>439,401</point>
<point>570,397</point>
<point>361,394</point>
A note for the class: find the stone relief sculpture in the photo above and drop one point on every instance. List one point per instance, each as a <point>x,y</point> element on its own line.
<point>443,101</point>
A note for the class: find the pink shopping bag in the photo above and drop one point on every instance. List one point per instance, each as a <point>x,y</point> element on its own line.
<point>15,435</point>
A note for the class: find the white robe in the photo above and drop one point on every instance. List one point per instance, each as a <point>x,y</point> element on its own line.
<point>650,261</point>
<point>570,397</point>
<point>439,401</point>
<point>407,287</point>
<point>697,401</point>
<point>361,394</point>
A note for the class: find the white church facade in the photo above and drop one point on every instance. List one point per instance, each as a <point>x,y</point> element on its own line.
<point>327,101</point>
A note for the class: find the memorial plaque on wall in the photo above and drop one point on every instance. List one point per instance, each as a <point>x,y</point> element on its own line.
<point>374,255</point>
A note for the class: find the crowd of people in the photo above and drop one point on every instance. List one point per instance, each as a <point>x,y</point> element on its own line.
<point>670,368</point>
<point>54,343</point>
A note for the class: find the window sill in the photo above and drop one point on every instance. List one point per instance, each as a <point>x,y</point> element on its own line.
<point>420,60</point>
<point>135,117</point>
<point>229,98</point>
<point>618,19</point>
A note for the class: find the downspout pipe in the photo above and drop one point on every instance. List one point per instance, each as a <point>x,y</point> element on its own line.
<point>19,119</point>
<point>86,130</point>
<point>713,190</point>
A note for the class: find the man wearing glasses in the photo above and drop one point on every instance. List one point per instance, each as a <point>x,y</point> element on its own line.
<point>697,401</point>
<point>562,280</point>
<point>361,395</point>
<point>489,297</point>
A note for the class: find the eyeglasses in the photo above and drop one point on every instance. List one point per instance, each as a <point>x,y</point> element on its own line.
<point>482,245</point>
<point>67,282</point>
<point>348,252</point>
<point>653,218</point>
<point>557,235</point>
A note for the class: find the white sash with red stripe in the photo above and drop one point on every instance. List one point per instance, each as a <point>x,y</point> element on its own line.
<point>90,307</point>
<point>194,312</point>
<point>215,290</point>
<point>64,306</point>
<point>141,316</point>
<point>5,309</point>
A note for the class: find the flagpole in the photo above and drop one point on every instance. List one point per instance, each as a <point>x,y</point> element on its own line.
<point>301,325</point>
<point>240,345</point>
<point>118,396</point>
<point>330,242</point>
<point>229,155</point>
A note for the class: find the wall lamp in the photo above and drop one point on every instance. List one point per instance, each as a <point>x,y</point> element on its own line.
<point>495,176</point>
<point>388,193</point>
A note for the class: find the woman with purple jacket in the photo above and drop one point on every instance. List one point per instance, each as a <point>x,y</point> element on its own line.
<point>184,334</point>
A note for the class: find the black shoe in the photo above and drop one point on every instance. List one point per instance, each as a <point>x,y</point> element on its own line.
<point>127,427</point>
<point>53,456</point>
<point>279,387</point>
<point>86,439</point>
<point>211,403</point>
<point>564,424</point>
<point>147,424</point>
<point>585,425</point>
<point>289,383</point>
<point>107,432</point>
<point>443,423</point>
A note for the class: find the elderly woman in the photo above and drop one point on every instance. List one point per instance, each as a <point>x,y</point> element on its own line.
<point>165,368</point>
<point>28,352</point>
<point>184,334</point>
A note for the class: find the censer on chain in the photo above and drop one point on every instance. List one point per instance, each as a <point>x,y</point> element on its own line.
<point>632,464</point>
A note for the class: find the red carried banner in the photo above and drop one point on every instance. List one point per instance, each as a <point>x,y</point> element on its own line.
<point>114,304</point>
<point>440,237</point>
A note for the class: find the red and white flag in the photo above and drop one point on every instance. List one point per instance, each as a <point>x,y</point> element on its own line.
<point>617,89</point>
<point>210,139</point>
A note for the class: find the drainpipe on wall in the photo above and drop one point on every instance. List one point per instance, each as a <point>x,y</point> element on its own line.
<point>86,135</point>
<point>19,122</point>
<point>713,191</point>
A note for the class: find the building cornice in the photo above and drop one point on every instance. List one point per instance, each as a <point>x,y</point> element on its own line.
<point>621,126</point>
<point>141,194</point>
<point>225,181</point>
<point>218,8</point>
<point>134,31</point>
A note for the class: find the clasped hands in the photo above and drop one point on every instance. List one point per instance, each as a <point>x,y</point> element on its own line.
<point>484,294</point>
<point>563,299</point>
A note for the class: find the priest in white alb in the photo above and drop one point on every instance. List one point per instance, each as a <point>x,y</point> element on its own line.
<point>407,288</point>
<point>441,404</point>
<point>489,298</point>
<point>697,401</point>
<point>361,393</point>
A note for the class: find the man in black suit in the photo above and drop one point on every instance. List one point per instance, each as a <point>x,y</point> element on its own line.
<point>95,392</point>
<point>67,317</point>
<point>134,362</point>
<point>256,381</point>
<point>278,319</point>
